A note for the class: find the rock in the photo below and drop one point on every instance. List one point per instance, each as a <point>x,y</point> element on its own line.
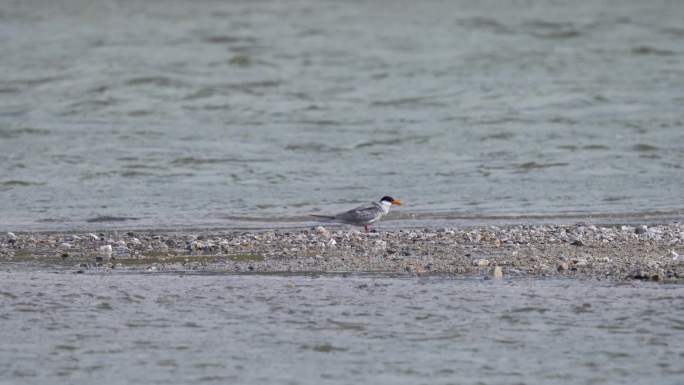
<point>577,242</point>
<point>496,272</point>
<point>563,266</point>
<point>11,236</point>
<point>321,230</point>
<point>106,249</point>
<point>641,230</point>
<point>64,245</point>
<point>481,262</point>
<point>639,274</point>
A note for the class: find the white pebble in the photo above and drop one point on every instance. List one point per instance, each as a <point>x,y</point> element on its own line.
<point>106,249</point>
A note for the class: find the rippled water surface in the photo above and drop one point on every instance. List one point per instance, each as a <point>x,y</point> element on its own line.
<point>200,328</point>
<point>241,113</point>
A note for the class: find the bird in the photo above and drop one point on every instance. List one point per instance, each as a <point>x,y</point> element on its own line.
<point>364,214</point>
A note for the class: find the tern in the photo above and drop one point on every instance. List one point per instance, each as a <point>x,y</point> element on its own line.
<point>365,214</point>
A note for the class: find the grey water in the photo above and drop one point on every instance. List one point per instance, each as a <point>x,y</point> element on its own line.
<point>178,114</point>
<point>156,328</point>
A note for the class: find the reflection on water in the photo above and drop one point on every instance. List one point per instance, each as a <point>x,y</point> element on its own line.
<point>180,328</point>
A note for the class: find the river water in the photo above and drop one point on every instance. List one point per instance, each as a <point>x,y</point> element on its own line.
<point>177,114</point>
<point>156,328</point>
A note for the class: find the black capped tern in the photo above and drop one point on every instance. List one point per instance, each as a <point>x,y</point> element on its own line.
<point>364,214</point>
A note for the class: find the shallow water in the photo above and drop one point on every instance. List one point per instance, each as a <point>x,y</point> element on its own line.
<point>163,114</point>
<point>307,329</point>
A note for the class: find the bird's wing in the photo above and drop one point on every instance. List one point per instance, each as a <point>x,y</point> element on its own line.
<point>364,213</point>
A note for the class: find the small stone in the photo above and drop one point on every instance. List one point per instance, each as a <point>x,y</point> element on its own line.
<point>332,243</point>
<point>639,274</point>
<point>106,249</point>
<point>641,229</point>
<point>64,245</point>
<point>496,272</point>
<point>674,255</point>
<point>481,262</point>
<point>563,266</point>
<point>65,256</point>
<point>657,278</point>
<point>577,242</point>
<point>11,236</point>
<point>321,230</point>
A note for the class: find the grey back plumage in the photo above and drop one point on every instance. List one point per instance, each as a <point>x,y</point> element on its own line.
<point>362,215</point>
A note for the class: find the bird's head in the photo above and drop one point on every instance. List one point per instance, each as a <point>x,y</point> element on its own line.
<point>390,201</point>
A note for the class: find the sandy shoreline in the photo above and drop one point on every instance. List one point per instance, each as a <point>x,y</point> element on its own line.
<point>581,251</point>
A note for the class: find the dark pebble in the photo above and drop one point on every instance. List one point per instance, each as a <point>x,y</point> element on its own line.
<point>65,255</point>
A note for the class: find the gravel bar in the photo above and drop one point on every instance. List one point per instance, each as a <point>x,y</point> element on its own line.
<point>580,251</point>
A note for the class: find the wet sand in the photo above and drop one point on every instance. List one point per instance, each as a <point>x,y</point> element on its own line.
<point>579,251</point>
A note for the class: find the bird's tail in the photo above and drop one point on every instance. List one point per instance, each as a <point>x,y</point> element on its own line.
<point>322,216</point>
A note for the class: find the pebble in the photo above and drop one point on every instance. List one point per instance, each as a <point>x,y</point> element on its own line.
<point>520,250</point>
<point>496,272</point>
<point>641,230</point>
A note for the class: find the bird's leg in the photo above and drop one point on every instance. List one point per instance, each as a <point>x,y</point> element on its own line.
<point>366,227</point>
